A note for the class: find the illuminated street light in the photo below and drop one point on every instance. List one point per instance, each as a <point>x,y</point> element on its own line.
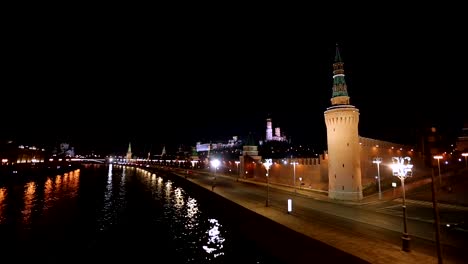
<point>237,164</point>
<point>438,157</point>
<point>215,163</point>
<point>267,165</point>
<point>294,163</point>
<point>378,160</point>
<point>403,168</point>
<point>465,155</point>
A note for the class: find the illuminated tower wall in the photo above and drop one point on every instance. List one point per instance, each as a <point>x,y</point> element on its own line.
<point>342,119</point>
<point>129,151</point>
<point>269,130</point>
<point>277,132</point>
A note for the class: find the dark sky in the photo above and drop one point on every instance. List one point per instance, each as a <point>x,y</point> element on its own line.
<point>179,81</point>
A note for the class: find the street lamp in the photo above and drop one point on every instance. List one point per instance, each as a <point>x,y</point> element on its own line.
<point>267,165</point>
<point>438,157</point>
<point>215,163</point>
<point>378,160</point>
<point>403,168</point>
<point>465,155</point>
<point>294,163</point>
<point>237,164</point>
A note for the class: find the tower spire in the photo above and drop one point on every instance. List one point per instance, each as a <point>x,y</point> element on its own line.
<point>337,54</point>
<point>340,90</point>
<point>129,151</point>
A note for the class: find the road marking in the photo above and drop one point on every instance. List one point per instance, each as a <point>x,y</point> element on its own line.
<point>440,205</point>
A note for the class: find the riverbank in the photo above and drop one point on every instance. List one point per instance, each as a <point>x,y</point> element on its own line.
<point>19,173</point>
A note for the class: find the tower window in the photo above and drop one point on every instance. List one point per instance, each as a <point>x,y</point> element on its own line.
<point>335,176</point>
<point>342,187</point>
<point>343,165</point>
<point>352,176</point>
<point>333,130</point>
<point>347,144</point>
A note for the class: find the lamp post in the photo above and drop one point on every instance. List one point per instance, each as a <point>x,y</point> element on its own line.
<point>465,155</point>
<point>267,165</point>
<point>403,168</point>
<point>294,163</point>
<point>438,157</point>
<point>437,218</point>
<point>215,163</point>
<point>378,160</point>
<point>237,164</point>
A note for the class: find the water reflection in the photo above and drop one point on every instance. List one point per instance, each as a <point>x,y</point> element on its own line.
<point>188,226</point>
<point>215,240</point>
<point>48,193</point>
<point>113,201</point>
<point>29,197</point>
<point>3,194</point>
<point>192,208</point>
<point>108,206</point>
<point>178,199</point>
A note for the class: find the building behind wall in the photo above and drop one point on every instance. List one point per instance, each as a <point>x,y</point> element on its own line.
<point>277,136</point>
<point>312,173</point>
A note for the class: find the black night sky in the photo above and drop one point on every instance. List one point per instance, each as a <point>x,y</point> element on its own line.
<point>161,82</point>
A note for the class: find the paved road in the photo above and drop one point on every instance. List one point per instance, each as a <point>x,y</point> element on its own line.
<point>370,229</point>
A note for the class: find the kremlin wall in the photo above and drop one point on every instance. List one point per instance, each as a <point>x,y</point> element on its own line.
<point>312,173</point>
<point>345,171</point>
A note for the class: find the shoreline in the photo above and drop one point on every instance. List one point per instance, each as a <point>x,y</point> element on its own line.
<point>23,172</point>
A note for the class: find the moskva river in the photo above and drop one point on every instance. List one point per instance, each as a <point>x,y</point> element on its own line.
<point>112,213</point>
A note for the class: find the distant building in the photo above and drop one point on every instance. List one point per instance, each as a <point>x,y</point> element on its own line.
<point>129,151</point>
<point>462,140</point>
<point>12,153</point>
<point>249,158</point>
<point>269,132</point>
<point>207,147</point>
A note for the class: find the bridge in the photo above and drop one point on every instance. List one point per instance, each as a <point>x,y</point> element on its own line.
<point>89,160</point>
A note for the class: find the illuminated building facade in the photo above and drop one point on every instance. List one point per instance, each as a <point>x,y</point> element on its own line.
<point>129,151</point>
<point>269,132</point>
<point>11,154</point>
<point>462,140</point>
<point>341,119</point>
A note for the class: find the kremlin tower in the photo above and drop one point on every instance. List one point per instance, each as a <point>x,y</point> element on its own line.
<point>269,130</point>
<point>129,151</point>
<point>341,119</point>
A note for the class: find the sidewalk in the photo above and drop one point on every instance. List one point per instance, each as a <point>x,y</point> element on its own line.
<point>365,248</point>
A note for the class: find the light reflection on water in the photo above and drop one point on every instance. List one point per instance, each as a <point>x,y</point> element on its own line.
<point>115,205</point>
<point>29,197</point>
<point>215,240</point>
<point>36,197</point>
<point>113,197</point>
<point>200,238</point>
<point>3,194</point>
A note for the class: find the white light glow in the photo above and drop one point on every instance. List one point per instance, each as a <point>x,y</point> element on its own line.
<point>215,163</point>
<point>215,241</point>
<point>402,167</point>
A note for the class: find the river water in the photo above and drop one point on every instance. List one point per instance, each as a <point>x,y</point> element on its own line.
<point>112,213</point>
